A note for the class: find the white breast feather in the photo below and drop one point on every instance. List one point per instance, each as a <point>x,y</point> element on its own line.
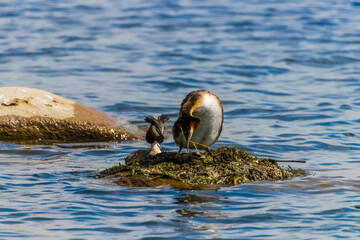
<point>210,116</point>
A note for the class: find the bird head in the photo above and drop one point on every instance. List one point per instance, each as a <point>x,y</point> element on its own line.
<point>188,125</point>
<point>158,126</point>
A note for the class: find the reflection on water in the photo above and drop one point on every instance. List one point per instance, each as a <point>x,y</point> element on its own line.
<point>287,74</point>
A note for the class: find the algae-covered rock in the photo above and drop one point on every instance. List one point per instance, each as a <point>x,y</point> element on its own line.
<point>224,166</point>
<point>32,114</point>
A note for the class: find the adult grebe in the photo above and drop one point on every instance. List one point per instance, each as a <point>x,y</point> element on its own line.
<point>200,121</point>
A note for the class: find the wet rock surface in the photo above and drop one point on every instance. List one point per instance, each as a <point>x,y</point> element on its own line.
<point>221,167</point>
<point>28,114</point>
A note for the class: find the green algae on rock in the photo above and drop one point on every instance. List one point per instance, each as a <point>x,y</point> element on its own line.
<point>13,128</point>
<point>224,166</point>
<point>28,114</point>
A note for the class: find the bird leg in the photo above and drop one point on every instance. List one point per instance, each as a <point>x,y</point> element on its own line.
<point>197,151</point>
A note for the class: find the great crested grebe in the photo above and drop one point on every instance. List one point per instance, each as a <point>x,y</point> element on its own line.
<point>200,121</point>
<point>156,129</point>
<point>155,133</point>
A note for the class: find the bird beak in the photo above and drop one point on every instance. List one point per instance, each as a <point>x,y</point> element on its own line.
<point>161,135</point>
<point>187,125</point>
<point>188,139</point>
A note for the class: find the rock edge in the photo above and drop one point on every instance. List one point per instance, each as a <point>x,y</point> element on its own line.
<point>28,114</point>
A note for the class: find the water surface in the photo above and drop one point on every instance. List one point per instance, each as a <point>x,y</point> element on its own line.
<point>288,76</point>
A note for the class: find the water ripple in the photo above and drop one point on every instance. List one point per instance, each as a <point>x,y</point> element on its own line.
<point>287,74</point>
<point>253,71</point>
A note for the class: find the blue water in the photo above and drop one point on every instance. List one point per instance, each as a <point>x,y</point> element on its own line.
<point>288,74</point>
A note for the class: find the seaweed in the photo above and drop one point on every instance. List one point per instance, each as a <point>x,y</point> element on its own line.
<point>222,167</point>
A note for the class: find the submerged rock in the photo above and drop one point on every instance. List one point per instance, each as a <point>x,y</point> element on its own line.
<point>224,166</point>
<point>31,114</point>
